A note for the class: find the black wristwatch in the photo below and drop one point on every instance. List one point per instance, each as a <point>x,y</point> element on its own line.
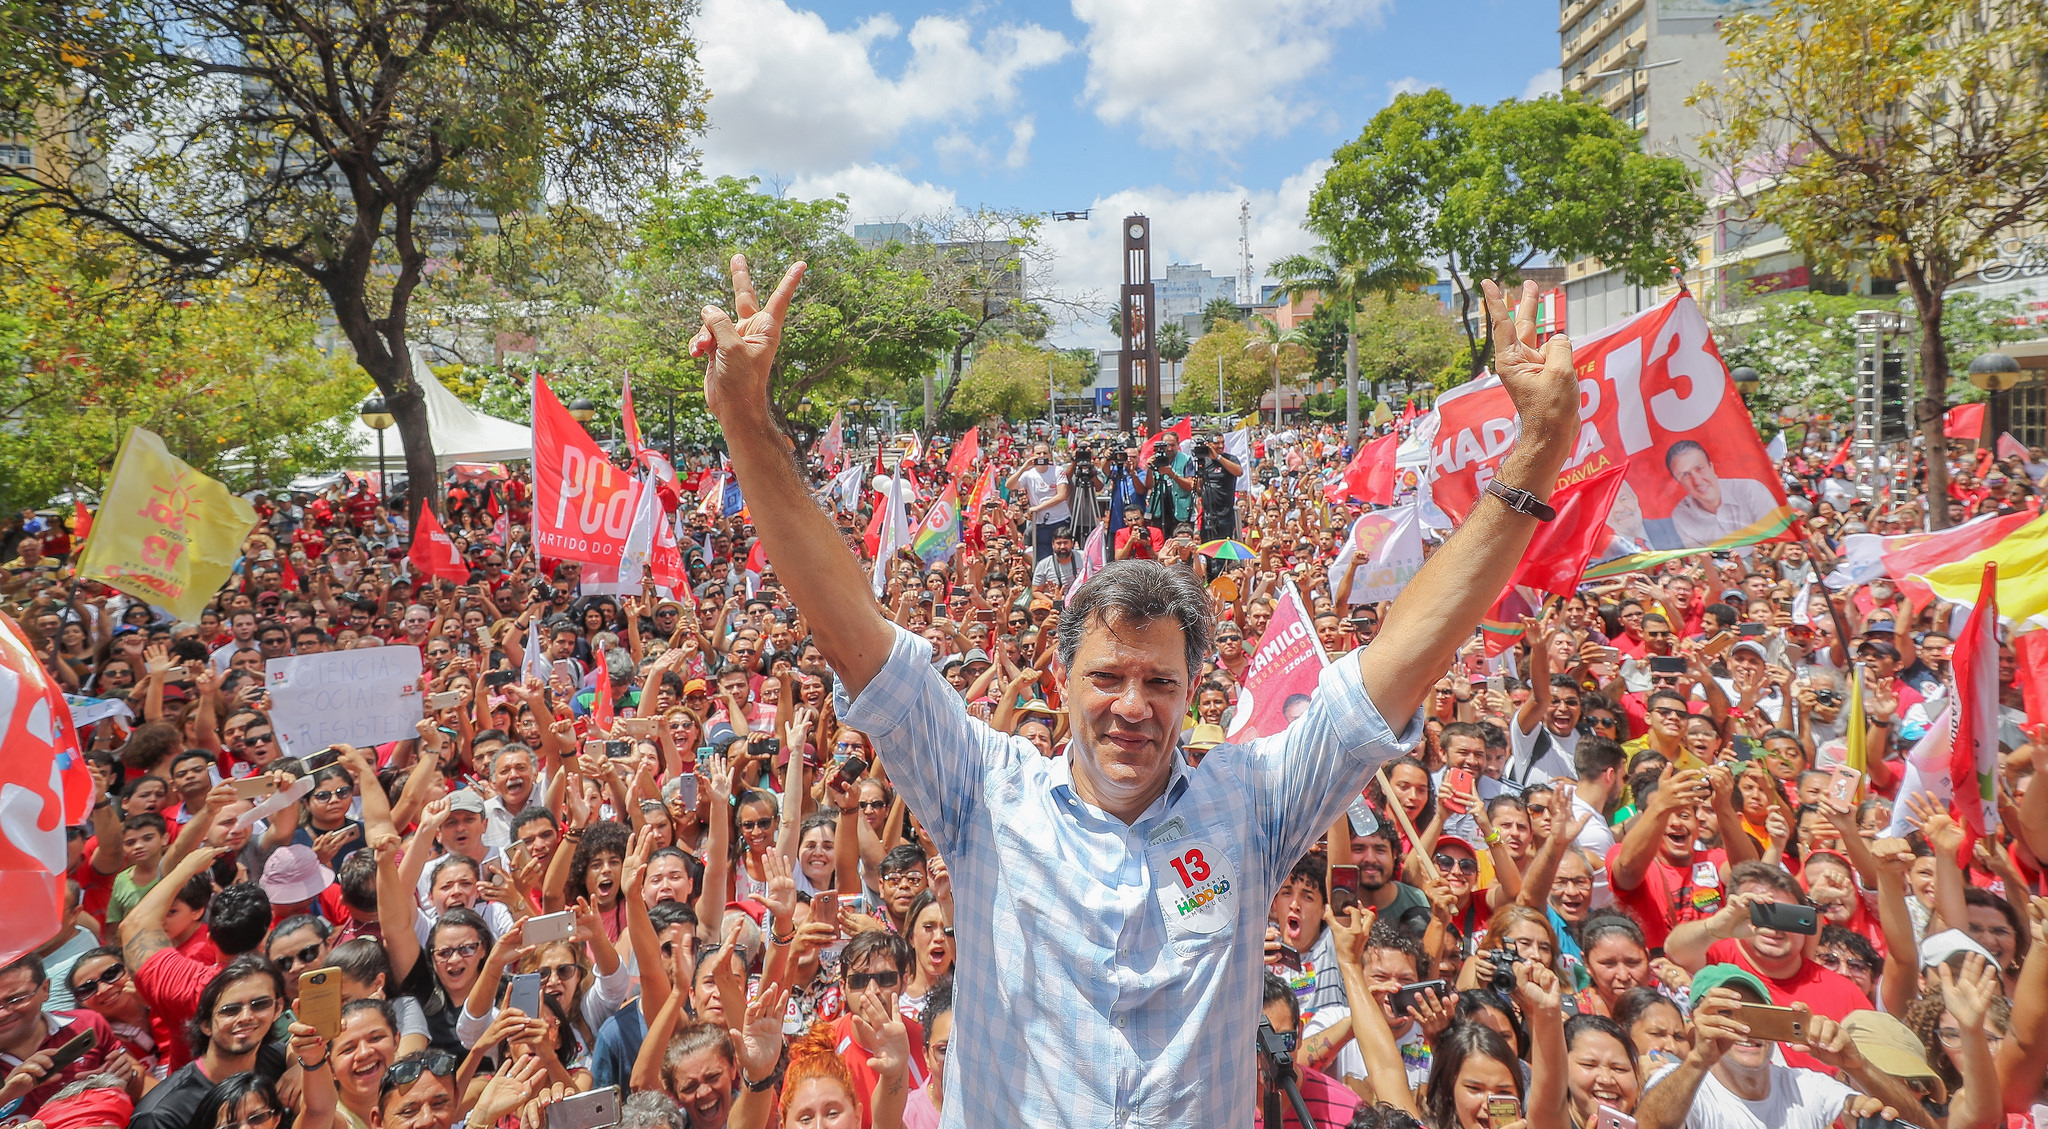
<point>1520,500</point>
<point>764,1084</point>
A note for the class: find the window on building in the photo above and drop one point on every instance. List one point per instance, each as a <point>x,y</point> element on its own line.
<point>16,154</point>
<point>2030,413</point>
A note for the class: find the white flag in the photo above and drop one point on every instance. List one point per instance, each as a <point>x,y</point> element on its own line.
<point>1926,772</point>
<point>1094,554</point>
<point>1238,445</point>
<point>1776,447</point>
<point>640,535</point>
<point>895,531</point>
<point>1391,543</point>
<point>536,661</point>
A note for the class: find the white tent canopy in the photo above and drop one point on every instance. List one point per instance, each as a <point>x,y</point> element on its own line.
<point>461,433</point>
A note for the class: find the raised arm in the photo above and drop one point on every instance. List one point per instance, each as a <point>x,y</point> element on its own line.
<point>1436,612</point>
<point>822,577</point>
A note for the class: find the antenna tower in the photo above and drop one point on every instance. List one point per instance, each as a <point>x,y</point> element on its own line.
<point>1244,253</point>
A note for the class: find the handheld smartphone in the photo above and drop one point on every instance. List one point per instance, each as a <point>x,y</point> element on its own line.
<point>1667,664</point>
<point>548,928</point>
<point>618,748</point>
<point>1290,959</point>
<point>522,991</point>
<point>1718,644</point>
<point>1747,631</point>
<point>1456,780</point>
<point>1844,785</point>
<point>851,769</point>
<point>1879,1122</point>
<point>1502,1109</point>
<point>444,700</point>
<point>591,1109</point>
<point>499,679</point>
<point>638,726</point>
<point>329,755</point>
<point>1606,1118</point>
<point>73,1049</point>
<point>566,669</point>
<point>1772,1024</point>
<point>1407,996</point>
<point>461,650</point>
<point>703,755</point>
<point>594,747</point>
<point>825,908</point>
<point>1784,917</point>
<point>319,1003</point>
<point>1343,888</point>
<point>253,788</point>
<point>686,790</point>
<point>765,747</point>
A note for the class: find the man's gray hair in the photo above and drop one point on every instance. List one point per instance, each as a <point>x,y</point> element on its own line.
<point>651,1109</point>
<point>103,1081</point>
<point>1139,592</point>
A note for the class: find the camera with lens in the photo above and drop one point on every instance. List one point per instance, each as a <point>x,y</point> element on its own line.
<point>1504,971</point>
<point>1161,460</point>
<point>1200,449</point>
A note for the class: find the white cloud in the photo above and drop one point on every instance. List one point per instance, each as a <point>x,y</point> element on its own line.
<point>1187,227</point>
<point>1209,74</point>
<point>1407,84</point>
<point>876,193</point>
<point>792,95</point>
<point>1549,80</point>
<point>1021,132</point>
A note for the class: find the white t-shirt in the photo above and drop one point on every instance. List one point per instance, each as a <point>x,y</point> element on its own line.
<point>1351,1064</point>
<point>1799,1099</point>
<point>1041,484</point>
<point>1555,763</point>
<point>1598,838</point>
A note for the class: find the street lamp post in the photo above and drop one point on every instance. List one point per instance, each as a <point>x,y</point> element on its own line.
<point>377,417</point>
<point>1634,80</point>
<point>1997,374</point>
<point>1747,380</point>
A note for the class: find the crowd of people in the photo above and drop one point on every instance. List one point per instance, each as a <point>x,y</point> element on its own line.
<point>1620,880</point>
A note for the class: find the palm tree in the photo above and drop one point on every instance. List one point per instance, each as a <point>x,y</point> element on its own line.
<point>1172,343</point>
<point>1268,338</point>
<point>1347,280</point>
<point>1219,309</point>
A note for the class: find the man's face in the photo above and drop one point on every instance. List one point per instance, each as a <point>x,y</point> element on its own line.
<point>140,845</point>
<point>1063,547</point>
<point>1667,717</point>
<point>242,1015</point>
<point>1515,830</point>
<point>1330,632</point>
<point>539,838</point>
<point>561,646</point>
<point>21,1004</point>
<point>1694,473</point>
<point>1564,710</point>
<point>428,1103</point>
<point>1386,970</point>
<point>461,833</point>
<point>512,774</point>
<point>1679,835</point>
<point>1468,753</point>
<point>1257,618</point>
<point>878,980</point>
<point>901,887</point>
<point>1127,690</point>
<point>1656,636</point>
<point>191,778</point>
<point>1298,911</point>
<point>1374,858</point>
<point>243,628</point>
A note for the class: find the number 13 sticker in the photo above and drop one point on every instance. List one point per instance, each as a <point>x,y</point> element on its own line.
<point>1198,888</point>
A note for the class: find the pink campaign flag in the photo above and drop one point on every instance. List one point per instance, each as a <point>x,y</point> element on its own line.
<point>1284,668</point>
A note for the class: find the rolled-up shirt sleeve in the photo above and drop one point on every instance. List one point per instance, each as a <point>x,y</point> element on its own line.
<point>936,753</point>
<point>1306,775</point>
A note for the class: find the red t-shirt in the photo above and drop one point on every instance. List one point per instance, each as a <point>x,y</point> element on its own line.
<point>1822,990</point>
<point>1669,895</point>
<point>864,1077</point>
<point>95,889</point>
<point>170,982</point>
<point>61,1027</point>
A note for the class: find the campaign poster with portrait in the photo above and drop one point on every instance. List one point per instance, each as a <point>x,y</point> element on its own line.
<point>1654,395</point>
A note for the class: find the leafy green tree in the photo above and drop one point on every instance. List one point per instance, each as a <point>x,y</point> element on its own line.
<point>1344,281</point>
<point>1245,373</point>
<point>989,267</point>
<point>1008,380</point>
<point>1172,342</point>
<point>234,383</point>
<point>1221,309</point>
<point>1485,190</point>
<point>1914,129</point>
<point>1405,338</point>
<point>1273,345</point>
<point>335,150</point>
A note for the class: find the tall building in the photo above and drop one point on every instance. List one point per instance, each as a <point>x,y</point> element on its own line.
<point>1186,289</point>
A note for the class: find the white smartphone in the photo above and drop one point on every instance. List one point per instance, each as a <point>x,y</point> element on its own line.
<point>548,928</point>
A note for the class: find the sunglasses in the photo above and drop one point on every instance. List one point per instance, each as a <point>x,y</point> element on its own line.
<point>257,1006</point>
<point>406,1071</point>
<point>759,825</point>
<point>1462,865</point>
<point>566,971</point>
<point>305,956</point>
<point>855,981</point>
<point>86,989</point>
<point>462,951</point>
<point>326,794</point>
<point>874,805</point>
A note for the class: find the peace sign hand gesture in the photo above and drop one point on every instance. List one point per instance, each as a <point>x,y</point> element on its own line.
<point>741,354</point>
<point>1539,379</point>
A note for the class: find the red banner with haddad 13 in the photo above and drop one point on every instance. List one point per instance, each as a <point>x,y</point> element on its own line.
<point>1655,395</point>
<point>582,504</point>
<point>1282,673</point>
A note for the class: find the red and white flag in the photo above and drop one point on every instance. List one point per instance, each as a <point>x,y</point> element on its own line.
<point>601,708</point>
<point>832,444</point>
<point>1557,554</point>
<point>433,552</point>
<point>1371,475</point>
<point>1973,758</point>
<point>1094,555</point>
<point>44,787</point>
<point>2009,447</point>
<point>582,504</point>
<point>964,452</point>
<point>1284,669</point>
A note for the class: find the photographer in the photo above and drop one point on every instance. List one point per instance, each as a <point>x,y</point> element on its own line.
<point>1218,473</point>
<point>1170,493</point>
<point>1082,480</point>
<point>1046,491</point>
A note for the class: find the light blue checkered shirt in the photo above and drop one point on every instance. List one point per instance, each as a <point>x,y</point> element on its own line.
<point>1110,975</point>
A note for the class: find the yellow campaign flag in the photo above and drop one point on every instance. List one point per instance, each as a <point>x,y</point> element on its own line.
<point>165,533</point>
<point>1856,730</point>
<point>2022,560</point>
<point>1381,416</point>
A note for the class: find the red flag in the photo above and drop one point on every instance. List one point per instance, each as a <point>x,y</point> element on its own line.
<point>1408,413</point>
<point>2009,447</point>
<point>983,487</point>
<point>601,709</point>
<point>1181,432</point>
<point>1371,474</point>
<point>873,538</point>
<point>47,787</point>
<point>964,452</point>
<point>433,552</point>
<point>2030,651</point>
<point>665,485</point>
<point>1973,754</point>
<point>582,504</point>
<point>81,526</point>
<point>1558,553</point>
<point>1964,421</point>
<point>1841,455</point>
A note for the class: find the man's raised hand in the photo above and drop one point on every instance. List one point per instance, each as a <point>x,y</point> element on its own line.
<point>742,353</point>
<point>1539,379</point>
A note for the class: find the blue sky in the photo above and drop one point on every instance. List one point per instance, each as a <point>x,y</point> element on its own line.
<point>1174,108</point>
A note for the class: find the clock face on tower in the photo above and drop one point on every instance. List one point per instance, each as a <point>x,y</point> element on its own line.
<point>1137,231</point>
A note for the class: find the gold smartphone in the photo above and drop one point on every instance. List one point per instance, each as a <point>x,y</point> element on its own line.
<point>1771,1024</point>
<point>319,1005</point>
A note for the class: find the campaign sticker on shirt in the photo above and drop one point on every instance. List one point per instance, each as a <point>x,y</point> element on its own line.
<point>1198,890</point>
<point>1706,888</point>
